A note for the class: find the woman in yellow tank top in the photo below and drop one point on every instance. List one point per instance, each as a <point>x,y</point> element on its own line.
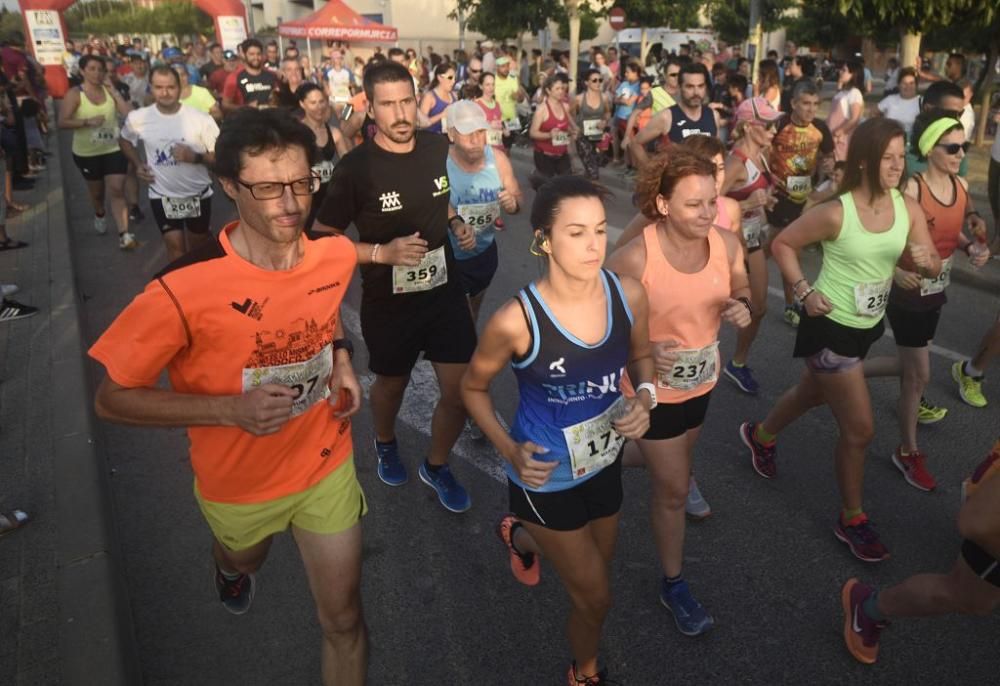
<point>864,232</point>
<point>695,278</point>
<point>91,111</point>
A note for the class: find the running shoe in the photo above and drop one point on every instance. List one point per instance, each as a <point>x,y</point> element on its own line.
<point>126,241</point>
<point>525,568</point>
<point>101,224</point>
<point>860,536</point>
<point>11,310</point>
<point>390,468</point>
<point>742,377</point>
<point>792,316</point>
<point>970,388</point>
<point>135,214</point>
<point>451,494</point>
<point>235,594</point>
<point>9,289</point>
<point>689,615</point>
<point>696,506</point>
<point>861,633</point>
<point>599,679</point>
<point>761,455</point>
<point>914,469</point>
<point>500,226</point>
<point>988,468</point>
<point>930,414</point>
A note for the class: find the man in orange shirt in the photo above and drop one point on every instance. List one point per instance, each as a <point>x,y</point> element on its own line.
<point>248,329</point>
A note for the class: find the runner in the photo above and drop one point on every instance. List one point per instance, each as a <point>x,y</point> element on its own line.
<point>91,111</point>
<point>800,147</point>
<point>578,325</point>
<point>971,587</point>
<point>691,116</point>
<point>863,236</point>
<point>749,182</point>
<point>250,85</point>
<point>179,143</point>
<point>437,98</point>
<point>491,108</point>
<point>915,303</point>
<point>509,94</point>
<point>197,97</point>
<point>593,113</point>
<point>269,422</point>
<point>331,143</point>
<point>551,130</point>
<point>626,95</point>
<point>394,188</point>
<point>694,278</point>
<point>482,183</point>
<point>338,80</point>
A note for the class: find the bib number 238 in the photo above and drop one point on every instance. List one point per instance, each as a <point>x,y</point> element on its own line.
<point>430,273</point>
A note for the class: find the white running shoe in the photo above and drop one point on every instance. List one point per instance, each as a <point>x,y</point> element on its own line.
<point>9,289</point>
<point>696,506</point>
<point>101,224</point>
<point>126,241</point>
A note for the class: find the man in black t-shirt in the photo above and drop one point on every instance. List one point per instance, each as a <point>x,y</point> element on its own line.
<point>215,62</point>
<point>394,188</point>
<point>252,85</point>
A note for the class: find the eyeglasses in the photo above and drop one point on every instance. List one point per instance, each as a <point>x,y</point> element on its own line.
<point>271,190</point>
<point>953,148</point>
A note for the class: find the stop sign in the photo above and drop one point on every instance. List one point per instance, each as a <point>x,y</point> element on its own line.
<point>616,17</point>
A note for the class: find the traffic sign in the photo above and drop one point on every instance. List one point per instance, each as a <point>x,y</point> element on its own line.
<point>616,17</point>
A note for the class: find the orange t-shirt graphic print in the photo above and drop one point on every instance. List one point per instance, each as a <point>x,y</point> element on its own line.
<point>221,326</point>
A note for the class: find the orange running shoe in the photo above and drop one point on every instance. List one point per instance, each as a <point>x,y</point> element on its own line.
<point>525,568</point>
<point>861,633</point>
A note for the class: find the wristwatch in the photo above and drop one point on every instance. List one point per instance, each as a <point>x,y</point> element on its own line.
<point>344,344</point>
<point>652,392</point>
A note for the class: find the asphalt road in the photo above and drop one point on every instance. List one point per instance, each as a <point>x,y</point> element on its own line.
<point>440,601</point>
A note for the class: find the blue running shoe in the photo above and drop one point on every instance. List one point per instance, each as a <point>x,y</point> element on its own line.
<point>742,377</point>
<point>451,494</point>
<point>390,468</point>
<point>690,617</point>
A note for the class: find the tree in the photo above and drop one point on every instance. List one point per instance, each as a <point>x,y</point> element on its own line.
<point>823,25</point>
<point>177,18</point>
<point>731,18</point>
<point>588,23</point>
<point>647,14</point>
<point>503,19</point>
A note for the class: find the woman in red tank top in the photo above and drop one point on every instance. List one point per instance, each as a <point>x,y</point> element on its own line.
<point>551,131</point>
<point>914,302</point>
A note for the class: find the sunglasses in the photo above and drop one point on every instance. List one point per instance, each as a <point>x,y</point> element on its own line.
<point>771,126</point>
<point>597,80</point>
<point>953,148</point>
<point>450,77</point>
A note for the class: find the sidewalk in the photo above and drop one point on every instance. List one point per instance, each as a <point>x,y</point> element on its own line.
<point>63,611</point>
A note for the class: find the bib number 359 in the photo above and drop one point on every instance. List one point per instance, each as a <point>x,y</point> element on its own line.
<point>430,273</point>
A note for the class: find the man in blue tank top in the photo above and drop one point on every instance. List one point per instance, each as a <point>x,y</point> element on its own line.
<point>482,184</point>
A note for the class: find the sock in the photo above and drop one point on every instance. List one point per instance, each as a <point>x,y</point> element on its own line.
<point>761,434</point>
<point>738,365</point>
<point>870,608</point>
<point>432,468</point>
<point>378,442</point>
<point>847,515</point>
<point>228,576</point>
<point>672,581</point>
<point>969,370</point>
<point>527,557</point>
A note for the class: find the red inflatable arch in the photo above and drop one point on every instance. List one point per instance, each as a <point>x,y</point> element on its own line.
<point>45,31</point>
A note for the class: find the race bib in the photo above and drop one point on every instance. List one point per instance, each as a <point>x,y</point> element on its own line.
<point>103,136</point>
<point>430,273</point>
<point>938,283</point>
<point>182,208</point>
<point>560,137</point>
<point>692,369</point>
<point>594,444</point>
<point>799,186</point>
<point>510,126</point>
<point>481,216</point>
<point>309,379</point>
<point>493,137</point>
<point>753,229</point>
<point>592,127</point>
<point>324,170</point>
<point>341,93</point>
<point>871,298</point>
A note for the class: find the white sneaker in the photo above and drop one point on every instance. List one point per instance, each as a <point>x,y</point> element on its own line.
<point>9,289</point>
<point>696,506</point>
<point>101,224</point>
<point>126,241</point>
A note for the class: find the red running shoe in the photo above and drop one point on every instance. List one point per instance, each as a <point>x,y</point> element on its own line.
<point>860,536</point>
<point>861,633</point>
<point>914,469</point>
<point>762,455</point>
<point>985,470</point>
<point>525,568</point>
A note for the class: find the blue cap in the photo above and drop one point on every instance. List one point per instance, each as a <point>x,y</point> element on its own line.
<point>171,53</point>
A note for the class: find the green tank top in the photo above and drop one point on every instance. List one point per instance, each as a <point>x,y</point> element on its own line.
<point>91,141</point>
<point>858,266</point>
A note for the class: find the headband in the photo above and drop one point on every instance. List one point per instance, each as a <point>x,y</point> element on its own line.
<point>933,133</point>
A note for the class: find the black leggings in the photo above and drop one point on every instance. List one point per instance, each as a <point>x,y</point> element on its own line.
<point>993,189</point>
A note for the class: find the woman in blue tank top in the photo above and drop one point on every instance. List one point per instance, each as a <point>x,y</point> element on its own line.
<point>438,97</point>
<point>569,337</point>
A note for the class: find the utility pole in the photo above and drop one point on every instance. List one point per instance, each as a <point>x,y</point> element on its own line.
<point>756,37</point>
<point>249,5</point>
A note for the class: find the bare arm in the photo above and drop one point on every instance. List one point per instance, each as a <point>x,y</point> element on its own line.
<point>67,111</point>
<point>340,142</point>
<point>535,131</point>
<point>510,194</point>
<point>633,229</point>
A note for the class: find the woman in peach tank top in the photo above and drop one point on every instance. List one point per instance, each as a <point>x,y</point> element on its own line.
<point>695,278</point>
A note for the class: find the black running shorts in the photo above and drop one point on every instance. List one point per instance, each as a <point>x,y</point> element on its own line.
<point>670,420</point>
<point>97,167</point>
<point>985,566</point>
<point>912,328</point>
<point>199,225</point>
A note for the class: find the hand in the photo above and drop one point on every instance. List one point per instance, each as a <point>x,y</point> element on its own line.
<point>532,472</point>
<point>826,166</point>
<point>979,254</point>
<point>977,227</point>
<point>405,251</point>
<point>920,254</point>
<point>182,153</point>
<point>94,121</point>
<point>345,391</point>
<point>817,305</point>
<point>757,199</point>
<point>507,201</point>
<point>736,313</point>
<point>772,199</point>
<point>264,410</point>
<point>906,279</point>
<point>635,422</point>
<point>465,235</point>
<point>145,173</point>
<point>665,355</point>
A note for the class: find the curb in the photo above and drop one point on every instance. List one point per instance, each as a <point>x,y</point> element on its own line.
<point>96,636</point>
<point>985,279</point>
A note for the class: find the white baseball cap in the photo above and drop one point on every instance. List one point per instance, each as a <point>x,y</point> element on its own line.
<point>466,117</point>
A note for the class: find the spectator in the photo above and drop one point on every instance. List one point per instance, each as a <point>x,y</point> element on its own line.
<point>903,106</point>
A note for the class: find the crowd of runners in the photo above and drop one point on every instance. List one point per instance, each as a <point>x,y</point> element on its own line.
<point>615,349</point>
